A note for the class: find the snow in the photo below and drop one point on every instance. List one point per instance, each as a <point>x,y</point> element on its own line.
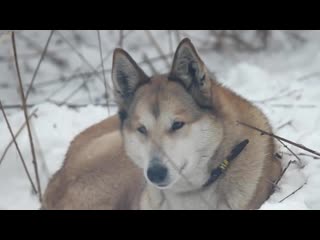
<point>283,81</point>
<point>53,128</point>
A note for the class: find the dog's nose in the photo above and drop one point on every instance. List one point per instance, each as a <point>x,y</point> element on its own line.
<point>157,173</point>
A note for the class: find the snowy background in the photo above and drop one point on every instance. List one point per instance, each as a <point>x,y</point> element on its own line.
<point>277,70</point>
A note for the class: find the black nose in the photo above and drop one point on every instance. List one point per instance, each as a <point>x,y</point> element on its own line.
<point>157,173</point>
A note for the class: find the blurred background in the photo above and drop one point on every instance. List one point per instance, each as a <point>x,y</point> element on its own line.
<point>66,81</point>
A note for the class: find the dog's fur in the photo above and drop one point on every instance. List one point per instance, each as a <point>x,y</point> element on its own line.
<point>97,174</point>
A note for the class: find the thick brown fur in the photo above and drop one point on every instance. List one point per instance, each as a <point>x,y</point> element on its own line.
<point>98,174</point>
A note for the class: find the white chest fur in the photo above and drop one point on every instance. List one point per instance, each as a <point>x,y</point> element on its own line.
<point>155,199</point>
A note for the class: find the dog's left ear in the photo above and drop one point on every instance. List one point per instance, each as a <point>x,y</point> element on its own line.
<point>189,69</point>
<point>127,76</point>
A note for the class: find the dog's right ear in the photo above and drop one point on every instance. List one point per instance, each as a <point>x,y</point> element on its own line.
<point>191,72</point>
<point>127,76</point>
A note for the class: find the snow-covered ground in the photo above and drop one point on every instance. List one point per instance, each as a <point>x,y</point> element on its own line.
<point>283,81</point>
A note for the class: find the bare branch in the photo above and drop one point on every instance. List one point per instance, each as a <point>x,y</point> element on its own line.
<point>170,40</point>
<point>102,65</point>
<point>41,159</point>
<point>16,135</point>
<point>280,138</point>
<point>73,93</point>
<point>78,76</point>
<point>80,55</point>
<point>288,123</point>
<point>50,55</point>
<point>292,193</point>
<point>157,47</point>
<point>308,76</point>
<point>277,97</point>
<point>18,149</point>
<point>152,68</point>
<point>293,106</point>
<point>283,172</point>
<point>5,32</point>
<point>121,38</point>
<point>299,160</point>
<point>34,161</point>
<point>70,105</point>
<point>39,63</point>
<point>14,106</point>
<point>60,88</point>
<point>177,35</point>
<point>304,155</point>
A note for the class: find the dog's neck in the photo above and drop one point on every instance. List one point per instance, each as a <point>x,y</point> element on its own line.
<point>222,167</point>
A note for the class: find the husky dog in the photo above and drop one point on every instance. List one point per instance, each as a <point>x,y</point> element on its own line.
<point>169,146</point>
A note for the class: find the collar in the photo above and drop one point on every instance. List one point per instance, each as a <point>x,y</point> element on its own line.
<point>216,173</point>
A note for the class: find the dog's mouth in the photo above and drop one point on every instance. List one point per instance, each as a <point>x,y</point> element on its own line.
<point>162,186</point>
<point>167,184</point>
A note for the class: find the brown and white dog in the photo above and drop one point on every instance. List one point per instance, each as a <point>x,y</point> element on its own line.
<point>172,131</point>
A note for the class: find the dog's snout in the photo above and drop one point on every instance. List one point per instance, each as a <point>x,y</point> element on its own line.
<point>157,173</point>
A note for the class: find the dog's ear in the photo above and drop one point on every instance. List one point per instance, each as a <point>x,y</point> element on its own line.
<point>189,69</point>
<point>127,76</point>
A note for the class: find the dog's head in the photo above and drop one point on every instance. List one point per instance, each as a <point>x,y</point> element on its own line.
<point>168,124</point>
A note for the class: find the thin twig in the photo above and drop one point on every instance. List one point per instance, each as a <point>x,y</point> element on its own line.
<point>74,76</point>
<point>89,74</point>
<point>77,76</point>
<point>177,35</point>
<point>59,89</point>
<point>87,89</point>
<point>121,38</point>
<point>152,68</point>
<point>280,105</point>
<point>157,47</point>
<point>73,93</point>
<point>308,76</point>
<point>292,193</point>
<point>102,65</point>
<point>109,54</point>
<point>5,33</point>
<point>280,138</point>
<point>80,55</point>
<point>18,149</point>
<point>16,135</point>
<point>283,172</point>
<point>34,160</point>
<point>299,160</point>
<point>15,106</point>
<point>39,63</point>
<point>50,55</point>
<point>70,105</point>
<point>304,155</point>
<point>288,123</point>
<point>170,40</point>
<point>42,163</point>
<point>277,97</point>
<point>295,36</point>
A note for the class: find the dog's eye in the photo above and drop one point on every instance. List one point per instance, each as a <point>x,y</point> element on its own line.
<point>176,126</point>
<point>142,130</point>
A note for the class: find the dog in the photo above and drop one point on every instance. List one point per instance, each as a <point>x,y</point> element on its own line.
<point>175,144</point>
